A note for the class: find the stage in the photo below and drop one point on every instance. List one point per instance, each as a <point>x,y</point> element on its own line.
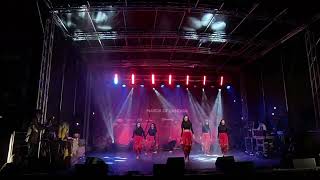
<point>122,163</point>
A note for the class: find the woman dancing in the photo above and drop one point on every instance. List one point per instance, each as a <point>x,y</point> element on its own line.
<point>138,136</point>
<point>186,136</point>
<point>206,138</point>
<point>151,138</point>
<point>223,137</point>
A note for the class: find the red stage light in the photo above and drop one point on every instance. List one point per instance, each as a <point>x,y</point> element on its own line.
<point>170,77</point>
<point>221,80</point>
<point>152,79</point>
<point>132,79</point>
<point>187,80</point>
<point>204,80</point>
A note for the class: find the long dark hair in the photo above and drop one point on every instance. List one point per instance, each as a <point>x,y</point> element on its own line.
<point>220,124</point>
<point>189,122</point>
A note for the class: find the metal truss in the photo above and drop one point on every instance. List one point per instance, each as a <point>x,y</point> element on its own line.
<point>314,74</point>
<point>45,70</point>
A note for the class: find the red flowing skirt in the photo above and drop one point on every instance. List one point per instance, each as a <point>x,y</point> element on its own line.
<point>186,139</point>
<point>137,143</point>
<point>206,142</point>
<point>224,142</point>
<point>150,143</point>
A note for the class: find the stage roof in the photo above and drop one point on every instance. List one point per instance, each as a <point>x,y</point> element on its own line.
<point>182,33</point>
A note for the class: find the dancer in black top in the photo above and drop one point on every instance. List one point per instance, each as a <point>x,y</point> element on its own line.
<point>186,136</point>
<point>151,142</point>
<point>138,137</point>
<point>206,138</point>
<point>223,137</point>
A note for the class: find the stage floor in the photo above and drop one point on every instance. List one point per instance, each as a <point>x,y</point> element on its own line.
<point>120,163</point>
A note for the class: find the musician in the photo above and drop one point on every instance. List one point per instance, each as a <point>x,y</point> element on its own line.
<point>138,137</point>
<point>262,127</point>
<point>33,134</point>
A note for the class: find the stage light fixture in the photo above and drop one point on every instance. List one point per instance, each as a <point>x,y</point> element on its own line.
<point>170,78</point>
<point>115,79</point>
<point>202,89</point>
<point>152,77</point>
<point>92,113</point>
<point>141,85</point>
<point>154,88</point>
<point>204,80</point>
<point>162,85</point>
<point>219,89</point>
<point>234,101</point>
<point>123,85</point>
<point>77,124</point>
<point>272,114</point>
<point>274,107</point>
<point>132,78</point>
<point>187,89</point>
<point>228,87</point>
<point>187,82</point>
<point>178,85</point>
<point>221,80</point>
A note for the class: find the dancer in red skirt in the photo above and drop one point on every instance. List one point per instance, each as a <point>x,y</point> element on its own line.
<point>206,138</point>
<point>186,136</point>
<point>138,137</point>
<point>151,139</point>
<point>223,137</point>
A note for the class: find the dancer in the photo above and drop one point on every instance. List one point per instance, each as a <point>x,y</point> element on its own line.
<point>138,136</point>
<point>206,138</point>
<point>223,137</point>
<point>186,136</point>
<point>151,139</point>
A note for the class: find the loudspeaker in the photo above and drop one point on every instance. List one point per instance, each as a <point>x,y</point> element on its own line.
<point>244,167</point>
<point>175,166</point>
<point>304,163</point>
<point>93,167</point>
<point>170,146</point>
<point>159,170</point>
<point>225,163</point>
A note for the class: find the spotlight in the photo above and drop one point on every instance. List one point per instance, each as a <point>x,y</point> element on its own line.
<point>272,114</point>
<point>274,107</point>
<point>152,77</point>
<point>219,89</point>
<point>123,85</point>
<point>141,85</point>
<point>170,77</point>
<point>77,124</point>
<point>162,85</point>
<point>154,88</point>
<point>92,113</point>
<point>202,89</point>
<point>221,80</point>
<point>204,80</point>
<point>234,100</point>
<point>187,89</point>
<point>178,85</point>
<point>187,82</point>
<point>228,87</point>
<point>115,79</point>
<point>132,79</point>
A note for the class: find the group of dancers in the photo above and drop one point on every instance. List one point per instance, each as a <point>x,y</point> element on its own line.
<point>187,135</point>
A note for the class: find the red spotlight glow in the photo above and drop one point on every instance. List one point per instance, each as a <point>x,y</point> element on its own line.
<point>187,82</point>
<point>221,80</point>
<point>170,77</point>
<point>132,79</point>
<point>152,77</point>
<point>204,80</point>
